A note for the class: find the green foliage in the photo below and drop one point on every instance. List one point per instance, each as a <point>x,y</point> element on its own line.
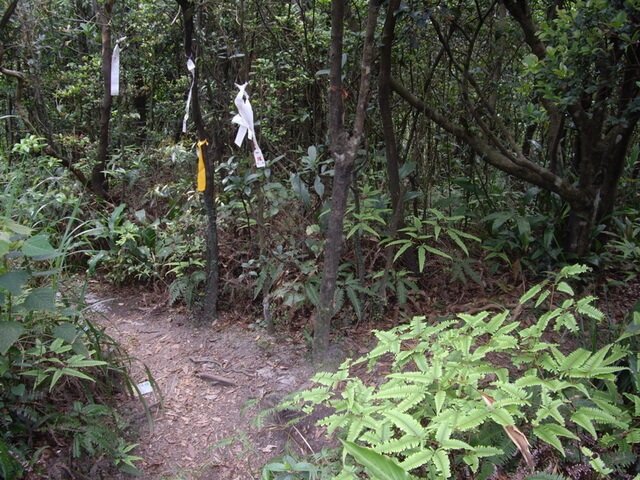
<point>137,250</point>
<point>423,234</point>
<point>428,414</point>
<point>317,466</point>
<point>57,378</point>
<point>622,249</point>
<point>288,468</point>
<point>580,36</point>
<point>377,466</point>
<point>524,234</point>
<point>38,188</point>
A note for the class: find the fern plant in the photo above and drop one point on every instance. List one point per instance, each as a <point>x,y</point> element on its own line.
<point>452,382</point>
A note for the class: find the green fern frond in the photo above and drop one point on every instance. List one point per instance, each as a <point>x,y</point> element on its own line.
<point>398,390</point>
<point>619,460</point>
<point>177,289</point>
<point>403,444</point>
<point>406,423</point>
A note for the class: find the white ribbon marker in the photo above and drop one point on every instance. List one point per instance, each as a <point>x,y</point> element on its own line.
<point>244,119</point>
<point>192,69</point>
<point>115,71</point>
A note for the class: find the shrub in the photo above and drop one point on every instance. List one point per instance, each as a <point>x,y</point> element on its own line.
<point>462,394</point>
<point>58,371</point>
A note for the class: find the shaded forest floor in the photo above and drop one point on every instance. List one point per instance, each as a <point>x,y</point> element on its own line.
<point>215,379</point>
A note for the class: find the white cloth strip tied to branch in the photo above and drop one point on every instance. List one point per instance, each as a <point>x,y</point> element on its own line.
<point>115,70</point>
<point>192,69</point>
<point>244,119</point>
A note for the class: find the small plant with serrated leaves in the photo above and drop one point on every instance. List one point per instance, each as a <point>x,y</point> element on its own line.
<point>462,394</point>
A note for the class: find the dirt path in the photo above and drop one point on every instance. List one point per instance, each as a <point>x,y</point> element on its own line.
<point>209,378</point>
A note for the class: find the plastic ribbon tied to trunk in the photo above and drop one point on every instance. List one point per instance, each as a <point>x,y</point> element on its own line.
<point>244,119</point>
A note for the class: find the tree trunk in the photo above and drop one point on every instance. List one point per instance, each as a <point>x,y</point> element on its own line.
<point>210,146</point>
<point>344,147</point>
<point>98,177</point>
<point>391,145</point>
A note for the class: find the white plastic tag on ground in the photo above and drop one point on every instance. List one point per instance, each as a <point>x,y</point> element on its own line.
<point>145,387</point>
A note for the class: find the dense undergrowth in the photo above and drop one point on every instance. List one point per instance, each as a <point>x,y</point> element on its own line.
<point>61,376</point>
<point>458,397</point>
<point>464,230</point>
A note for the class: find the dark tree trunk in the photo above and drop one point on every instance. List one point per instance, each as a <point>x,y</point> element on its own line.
<point>391,145</point>
<point>344,146</point>
<point>98,177</point>
<point>210,147</point>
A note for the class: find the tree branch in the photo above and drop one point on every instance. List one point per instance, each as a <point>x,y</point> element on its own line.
<point>523,168</point>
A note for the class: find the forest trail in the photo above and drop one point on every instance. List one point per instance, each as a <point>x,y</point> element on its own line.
<point>214,380</point>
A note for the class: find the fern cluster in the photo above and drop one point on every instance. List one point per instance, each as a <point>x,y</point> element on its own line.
<point>453,383</point>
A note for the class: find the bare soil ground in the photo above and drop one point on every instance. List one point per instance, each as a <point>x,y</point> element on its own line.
<point>213,381</point>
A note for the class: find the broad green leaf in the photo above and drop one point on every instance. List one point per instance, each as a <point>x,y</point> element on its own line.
<point>435,251</point>
<point>455,444</point>
<point>565,288</point>
<point>16,227</point>
<point>43,299</point>
<point>443,433</point>
<point>549,432</point>
<point>456,238</point>
<point>65,331</point>
<point>5,246</point>
<point>439,400</point>
<point>54,379</point>
<point>472,419</point>
<point>528,295</point>
<point>379,466</point>
<point>318,186</point>
<point>574,360</point>
<point>78,361</point>
<point>9,334</point>
<point>39,248</point>
<point>501,417</point>
<point>13,281</point>
<point>402,249</point>
<point>76,373</point>
<point>421,258</point>
<point>406,422</point>
<point>417,459</point>
<point>584,421</point>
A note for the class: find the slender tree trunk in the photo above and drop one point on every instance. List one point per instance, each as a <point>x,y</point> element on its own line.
<point>6,16</point>
<point>98,177</point>
<point>391,145</point>
<point>344,146</point>
<point>210,147</point>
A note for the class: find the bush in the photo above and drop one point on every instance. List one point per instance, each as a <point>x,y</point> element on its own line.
<point>462,394</point>
<point>58,372</point>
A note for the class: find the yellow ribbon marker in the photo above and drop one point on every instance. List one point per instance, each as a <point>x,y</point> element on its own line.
<point>202,178</point>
